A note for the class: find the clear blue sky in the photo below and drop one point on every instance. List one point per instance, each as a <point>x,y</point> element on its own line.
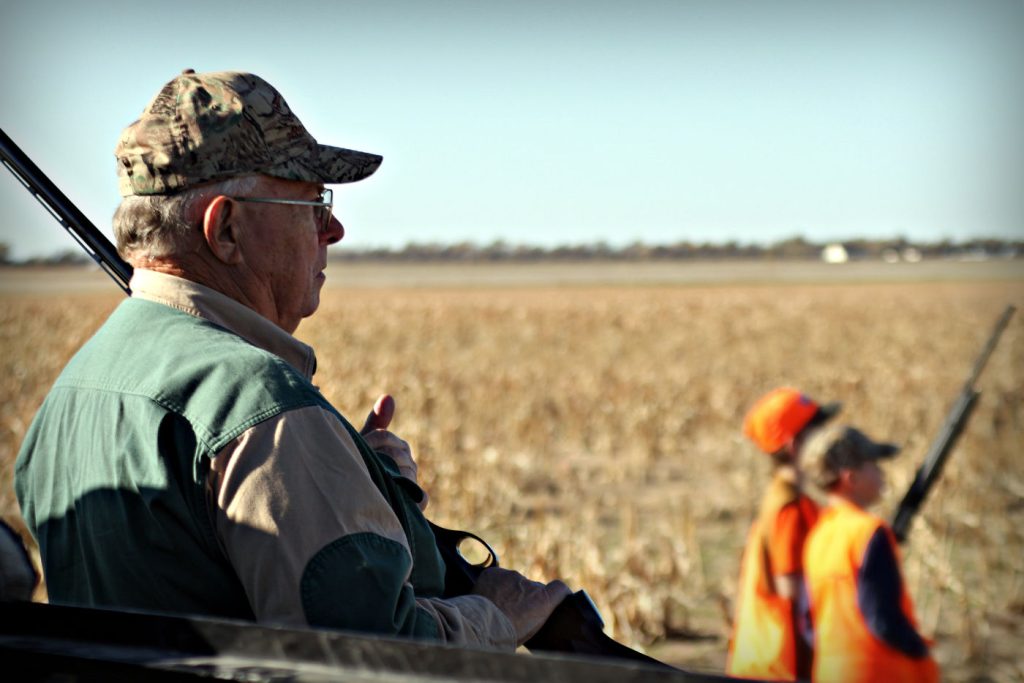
<point>564,122</point>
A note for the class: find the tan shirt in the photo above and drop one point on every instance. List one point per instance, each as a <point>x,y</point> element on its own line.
<point>294,483</point>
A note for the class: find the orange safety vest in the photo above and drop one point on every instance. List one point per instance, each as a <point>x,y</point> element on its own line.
<point>763,643</point>
<point>845,649</point>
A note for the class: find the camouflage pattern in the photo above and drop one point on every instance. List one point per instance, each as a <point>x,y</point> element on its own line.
<point>214,126</point>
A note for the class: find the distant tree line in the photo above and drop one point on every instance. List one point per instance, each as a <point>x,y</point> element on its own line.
<point>64,257</point>
<point>793,248</point>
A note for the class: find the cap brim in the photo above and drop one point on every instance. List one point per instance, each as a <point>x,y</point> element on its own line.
<point>881,451</point>
<point>830,410</point>
<point>330,165</point>
<point>341,165</point>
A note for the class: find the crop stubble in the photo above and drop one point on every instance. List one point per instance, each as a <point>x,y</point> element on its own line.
<point>593,433</point>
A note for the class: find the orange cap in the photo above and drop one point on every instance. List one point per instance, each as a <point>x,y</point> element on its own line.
<point>780,415</point>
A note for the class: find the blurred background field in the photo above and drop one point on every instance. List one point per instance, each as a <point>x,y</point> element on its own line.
<point>587,422</point>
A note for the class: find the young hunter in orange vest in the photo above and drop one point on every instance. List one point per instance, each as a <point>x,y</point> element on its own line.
<point>863,619</point>
<point>771,638</point>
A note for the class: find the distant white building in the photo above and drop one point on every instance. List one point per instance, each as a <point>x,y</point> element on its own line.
<point>907,255</point>
<point>911,255</point>
<point>834,253</point>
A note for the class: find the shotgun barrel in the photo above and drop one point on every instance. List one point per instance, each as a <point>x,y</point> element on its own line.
<point>931,469</point>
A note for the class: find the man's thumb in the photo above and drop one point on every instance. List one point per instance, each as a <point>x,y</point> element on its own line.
<point>381,414</point>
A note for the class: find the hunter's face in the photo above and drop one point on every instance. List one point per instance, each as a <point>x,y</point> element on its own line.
<point>288,252</point>
<point>868,481</point>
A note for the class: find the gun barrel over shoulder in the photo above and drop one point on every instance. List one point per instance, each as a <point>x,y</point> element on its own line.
<point>67,214</point>
<point>960,413</point>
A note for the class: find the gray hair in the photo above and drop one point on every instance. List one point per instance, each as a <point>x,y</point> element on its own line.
<point>159,226</point>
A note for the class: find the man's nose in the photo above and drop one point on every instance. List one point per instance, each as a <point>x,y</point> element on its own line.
<point>334,232</point>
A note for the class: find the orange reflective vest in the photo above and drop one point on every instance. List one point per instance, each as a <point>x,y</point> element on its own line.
<point>845,649</point>
<point>764,639</point>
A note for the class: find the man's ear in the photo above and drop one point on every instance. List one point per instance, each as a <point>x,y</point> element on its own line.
<point>220,230</point>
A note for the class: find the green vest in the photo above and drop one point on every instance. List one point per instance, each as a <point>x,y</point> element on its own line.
<point>111,480</point>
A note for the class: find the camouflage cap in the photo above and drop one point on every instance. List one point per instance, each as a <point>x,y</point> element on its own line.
<point>841,447</point>
<point>213,126</point>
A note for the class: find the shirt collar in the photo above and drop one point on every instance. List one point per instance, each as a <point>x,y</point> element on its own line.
<point>209,304</point>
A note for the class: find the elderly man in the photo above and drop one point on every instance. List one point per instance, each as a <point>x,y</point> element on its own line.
<point>184,461</point>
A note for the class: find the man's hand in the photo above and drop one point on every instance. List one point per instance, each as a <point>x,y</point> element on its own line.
<point>375,433</point>
<point>526,603</point>
<point>380,415</point>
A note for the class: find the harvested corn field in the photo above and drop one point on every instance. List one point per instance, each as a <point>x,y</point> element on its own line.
<point>592,431</point>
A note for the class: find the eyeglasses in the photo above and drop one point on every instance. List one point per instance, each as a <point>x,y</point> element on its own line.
<point>321,209</point>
